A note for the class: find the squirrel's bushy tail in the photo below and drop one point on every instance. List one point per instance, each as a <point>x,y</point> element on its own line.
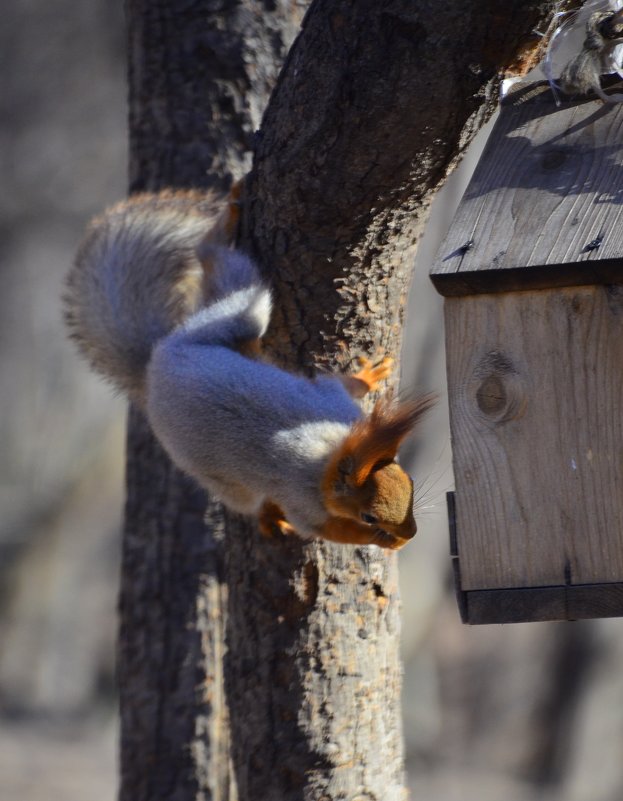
<point>137,276</point>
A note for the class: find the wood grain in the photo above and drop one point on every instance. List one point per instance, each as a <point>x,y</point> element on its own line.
<point>535,381</point>
<point>544,207</point>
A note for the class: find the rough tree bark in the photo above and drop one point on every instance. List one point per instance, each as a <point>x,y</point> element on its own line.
<point>374,105</point>
<point>199,75</point>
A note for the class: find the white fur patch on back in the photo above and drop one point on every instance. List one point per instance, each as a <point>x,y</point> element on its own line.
<point>311,441</point>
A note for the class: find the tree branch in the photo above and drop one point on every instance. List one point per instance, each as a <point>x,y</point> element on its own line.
<point>376,103</point>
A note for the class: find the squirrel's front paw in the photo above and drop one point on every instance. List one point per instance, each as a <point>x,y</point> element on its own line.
<point>368,377</point>
<point>372,373</point>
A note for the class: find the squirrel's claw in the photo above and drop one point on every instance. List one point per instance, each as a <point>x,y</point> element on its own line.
<point>372,373</point>
<point>368,377</point>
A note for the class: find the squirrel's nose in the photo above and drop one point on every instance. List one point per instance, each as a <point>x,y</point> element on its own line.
<point>408,530</point>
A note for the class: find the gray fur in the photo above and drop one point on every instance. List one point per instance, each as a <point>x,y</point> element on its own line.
<point>246,430</point>
<point>582,74</point>
<point>241,309</point>
<point>121,292</point>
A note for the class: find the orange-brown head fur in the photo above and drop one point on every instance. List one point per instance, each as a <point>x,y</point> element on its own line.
<point>363,482</point>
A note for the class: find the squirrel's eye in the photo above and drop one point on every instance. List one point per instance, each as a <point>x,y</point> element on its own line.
<point>368,518</point>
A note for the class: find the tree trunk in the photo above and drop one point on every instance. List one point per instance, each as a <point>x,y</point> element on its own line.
<point>351,149</point>
<point>374,105</point>
<point>200,73</point>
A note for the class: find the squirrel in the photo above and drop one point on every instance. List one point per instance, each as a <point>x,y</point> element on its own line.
<point>161,305</point>
<point>604,34</point>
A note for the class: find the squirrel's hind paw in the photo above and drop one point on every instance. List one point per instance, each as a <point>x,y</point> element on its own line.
<point>272,522</point>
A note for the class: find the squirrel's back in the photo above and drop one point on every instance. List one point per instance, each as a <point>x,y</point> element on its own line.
<point>136,276</point>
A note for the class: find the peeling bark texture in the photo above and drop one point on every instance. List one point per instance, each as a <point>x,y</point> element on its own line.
<point>375,104</point>
<point>200,74</point>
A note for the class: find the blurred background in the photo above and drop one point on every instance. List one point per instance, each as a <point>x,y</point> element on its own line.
<point>63,154</point>
<point>530,712</point>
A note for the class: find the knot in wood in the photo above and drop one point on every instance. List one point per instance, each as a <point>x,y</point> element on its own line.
<point>553,159</point>
<point>491,396</point>
<point>500,396</point>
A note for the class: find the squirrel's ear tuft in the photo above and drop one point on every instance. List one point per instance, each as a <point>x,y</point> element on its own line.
<point>376,438</point>
<point>371,443</point>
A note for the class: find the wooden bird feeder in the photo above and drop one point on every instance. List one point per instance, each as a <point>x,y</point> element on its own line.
<point>532,274</point>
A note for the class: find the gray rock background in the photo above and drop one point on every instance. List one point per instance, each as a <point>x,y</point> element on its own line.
<point>522,713</point>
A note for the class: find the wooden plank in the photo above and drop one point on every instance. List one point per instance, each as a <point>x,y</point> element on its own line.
<point>543,603</point>
<point>601,600</point>
<point>545,202</point>
<point>507,279</point>
<point>515,606</point>
<point>450,502</point>
<point>535,386</point>
<point>461,596</point>
<point>454,554</point>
